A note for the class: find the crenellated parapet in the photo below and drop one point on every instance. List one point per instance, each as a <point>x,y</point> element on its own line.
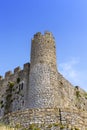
<point>16,71</point>
<point>46,38</point>
<point>46,33</point>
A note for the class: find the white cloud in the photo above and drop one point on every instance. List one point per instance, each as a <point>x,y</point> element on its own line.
<point>68,69</point>
<point>74,73</point>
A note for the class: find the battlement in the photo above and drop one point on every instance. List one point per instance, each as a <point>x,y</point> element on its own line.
<point>16,70</point>
<point>44,36</point>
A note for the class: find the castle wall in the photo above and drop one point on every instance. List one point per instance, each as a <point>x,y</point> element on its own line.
<point>13,90</point>
<point>72,97</point>
<point>48,118</point>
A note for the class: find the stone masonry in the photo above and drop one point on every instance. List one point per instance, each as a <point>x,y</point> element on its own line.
<point>39,95</point>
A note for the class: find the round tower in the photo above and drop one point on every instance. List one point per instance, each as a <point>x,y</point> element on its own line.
<point>43,72</point>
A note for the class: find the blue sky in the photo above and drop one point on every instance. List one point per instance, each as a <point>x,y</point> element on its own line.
<point>66,19</point>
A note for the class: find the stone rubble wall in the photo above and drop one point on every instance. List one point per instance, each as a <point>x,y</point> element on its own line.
<point>43,49</point>
<point>72,97</point>
<point>45,118</point>
<point>13,90</point>
<point>43,72</point>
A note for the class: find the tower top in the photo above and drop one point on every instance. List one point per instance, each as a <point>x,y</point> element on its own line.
<point>40,35</point>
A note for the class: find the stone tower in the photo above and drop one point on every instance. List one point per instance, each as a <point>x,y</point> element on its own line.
<point>43,72</point>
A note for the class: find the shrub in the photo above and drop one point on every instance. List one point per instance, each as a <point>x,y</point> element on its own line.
<point>78,94</point>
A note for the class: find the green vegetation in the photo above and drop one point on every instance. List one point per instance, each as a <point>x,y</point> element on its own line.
<point>78,94</point>
<point>72,129</point>
<point>55,124</point>
<point>85,95</point>
<point>33,127</point>
<point>18,125</point>
<point>2,105</point>
<point>49,126</point>
<point>6,127</point>
<point>1,102</point>
<point>62,126</point>
<point>10,84</point>
<point>76,128</point>
<point>9,97</point>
